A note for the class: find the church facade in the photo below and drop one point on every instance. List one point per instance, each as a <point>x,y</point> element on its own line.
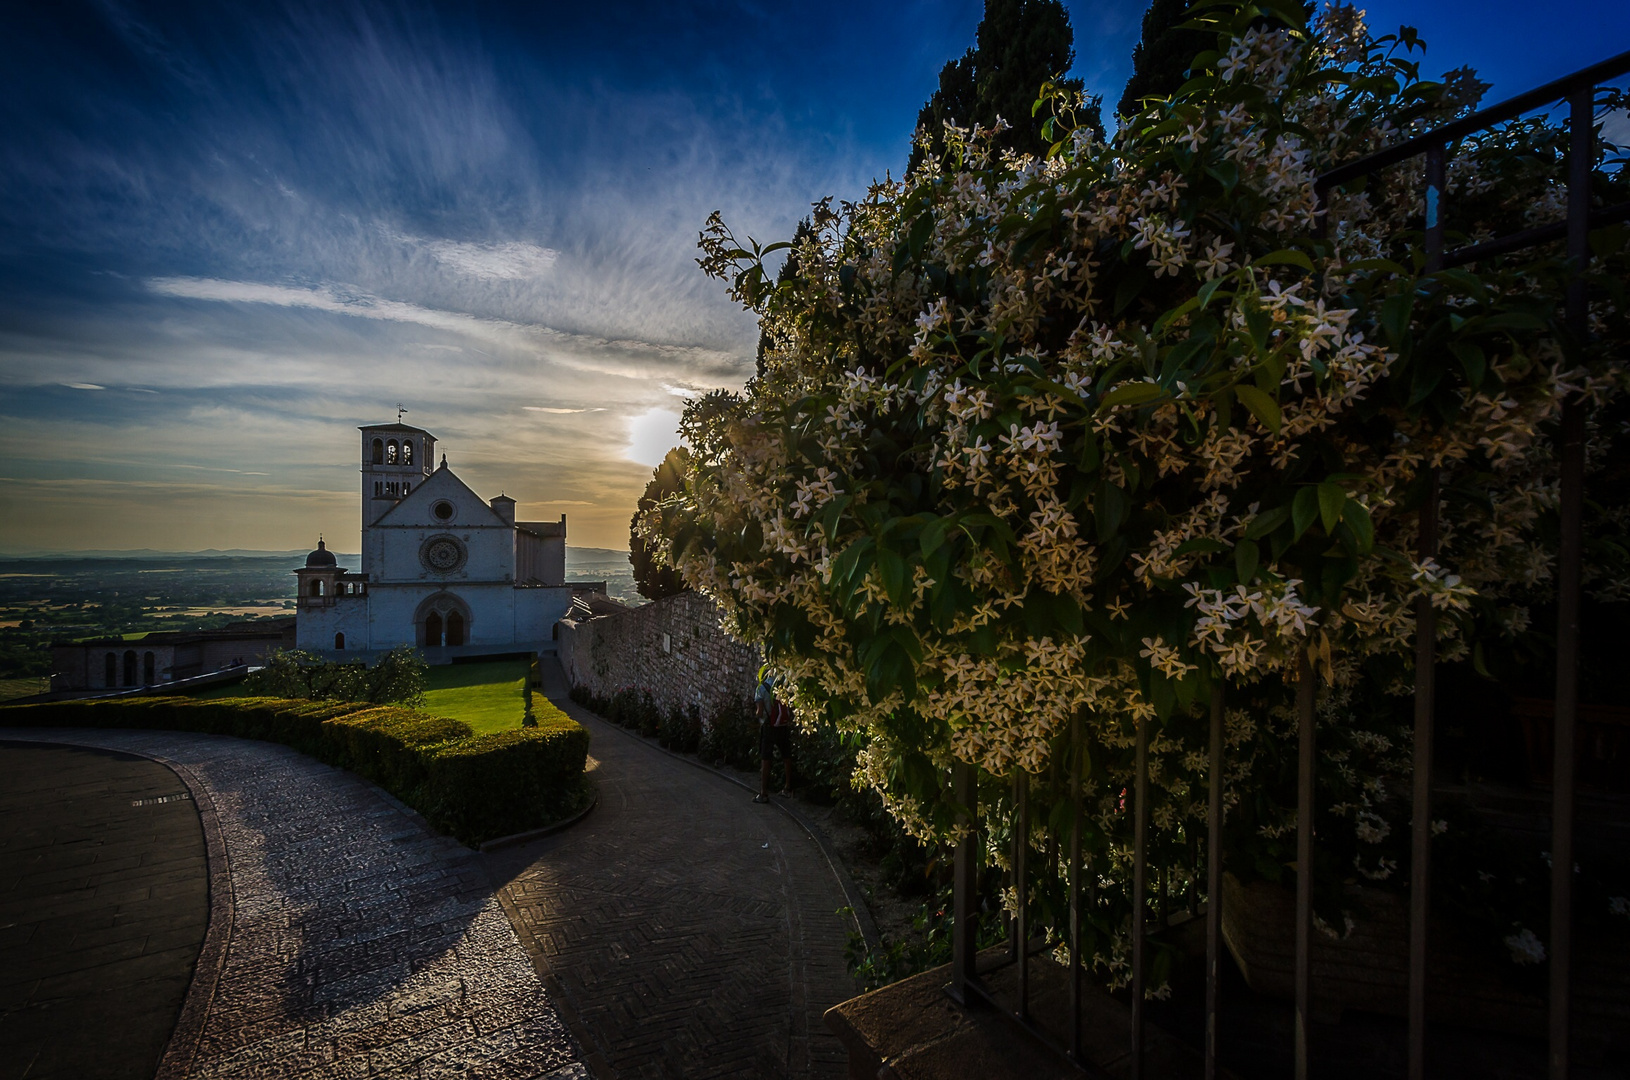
<point>442,569</point>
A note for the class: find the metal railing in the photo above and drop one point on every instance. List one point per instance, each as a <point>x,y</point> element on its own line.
<point>968,984</point>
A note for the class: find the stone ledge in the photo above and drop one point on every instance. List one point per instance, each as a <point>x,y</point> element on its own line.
<point>912,1030</point>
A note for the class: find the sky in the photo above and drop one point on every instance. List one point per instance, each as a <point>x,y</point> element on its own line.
<point>230,234</point>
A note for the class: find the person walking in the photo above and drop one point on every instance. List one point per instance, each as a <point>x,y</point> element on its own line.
<point>774,733</point>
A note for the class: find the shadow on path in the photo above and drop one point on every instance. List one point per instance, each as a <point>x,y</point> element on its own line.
<point>681,930</point>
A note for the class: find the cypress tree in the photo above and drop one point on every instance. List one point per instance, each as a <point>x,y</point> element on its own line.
<point>1020,44</point>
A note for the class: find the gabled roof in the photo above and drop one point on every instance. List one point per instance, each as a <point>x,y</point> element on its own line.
<point>440,484</point>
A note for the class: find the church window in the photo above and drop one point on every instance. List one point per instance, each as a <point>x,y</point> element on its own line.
<point>390,453</point>
<point>379,451</point>
<point>339,641</point>
<point>443,511</point>
<point>130,667</point>
<point>147,672</point>
<point>110,670</point>
<point>379,487</point>
<point>432,630</point>
<point>316,588</point>
<point>407,452</point>
<point>455,628</point>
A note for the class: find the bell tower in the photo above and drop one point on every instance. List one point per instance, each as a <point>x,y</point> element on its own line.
<point>396,458</point>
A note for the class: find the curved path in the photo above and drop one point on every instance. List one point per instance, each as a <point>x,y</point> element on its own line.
<point>682,930</point>
<point>345,939</point>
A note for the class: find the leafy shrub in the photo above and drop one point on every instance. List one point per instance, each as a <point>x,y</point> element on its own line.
<point>682,730</point>
<point>399,676</point>
<point>473,786</point>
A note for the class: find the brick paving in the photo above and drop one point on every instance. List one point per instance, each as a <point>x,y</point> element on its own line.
<point>345,939</point>
<point>681,930</point>
<point>104,899</point>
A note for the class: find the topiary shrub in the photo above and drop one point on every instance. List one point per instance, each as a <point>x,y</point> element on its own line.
<point>474,787</point>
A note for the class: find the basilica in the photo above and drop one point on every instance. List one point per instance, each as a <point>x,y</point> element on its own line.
<point>441,568</point>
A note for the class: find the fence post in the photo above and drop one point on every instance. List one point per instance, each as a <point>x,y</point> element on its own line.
<point>1021,886</point>
<point>965,881</point>
<point>1304,861</point>
<point>1140,882</point>
<point>1581,156</point>
<point>1075,890</point>
<point>1214,814</point>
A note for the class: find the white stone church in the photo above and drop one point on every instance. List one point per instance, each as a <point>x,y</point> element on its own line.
<point>441,568</point>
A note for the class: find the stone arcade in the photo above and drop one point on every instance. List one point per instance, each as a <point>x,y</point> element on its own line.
<point>441,569</point>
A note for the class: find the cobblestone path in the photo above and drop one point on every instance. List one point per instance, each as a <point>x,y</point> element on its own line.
<point>345,939</point>
<point>682,930</point>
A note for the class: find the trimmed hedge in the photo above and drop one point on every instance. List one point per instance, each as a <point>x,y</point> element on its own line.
<point>474,787</point>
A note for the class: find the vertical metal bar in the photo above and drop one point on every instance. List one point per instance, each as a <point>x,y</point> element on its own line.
<point>1420,873</point>
<point>1434,207</point>
<point>1581,156</point>
<point>1140,897</point>
<point>1011,918</point>
<point>965,874</point>
<point>1021,886</point>
<point>1075,890</point>
<point>1304,862</point>
<point>1214,815</point>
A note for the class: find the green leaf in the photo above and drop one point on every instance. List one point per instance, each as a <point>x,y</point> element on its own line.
<point>1263,407</point>
<point>1109,509</point>
<point>892,569</point>
<point>1266,522</point>
<point>933,536</point>
<point>1472,359</point>
<point>1285,257</point>
<point>1358,519</point>
<point>1304,510</point>
<point>1331,500</point>
<point>1247,556</point>
<point>1396,311</point>
<point>1131,394</point>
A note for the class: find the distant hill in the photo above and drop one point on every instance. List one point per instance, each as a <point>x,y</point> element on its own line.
<point>150,553</point>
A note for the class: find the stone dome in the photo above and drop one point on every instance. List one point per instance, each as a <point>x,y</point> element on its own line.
<point>321,557</point>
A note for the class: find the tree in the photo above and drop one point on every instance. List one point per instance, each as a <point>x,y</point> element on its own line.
<point>1021,45</point>
<point>653,576</point>
<point>1044,458</point>
<point>1160,62</point>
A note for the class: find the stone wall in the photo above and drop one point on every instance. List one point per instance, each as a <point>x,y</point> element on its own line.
<point>671,648</point>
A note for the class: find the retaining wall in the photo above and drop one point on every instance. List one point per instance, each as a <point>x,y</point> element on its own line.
<point>671,648</point>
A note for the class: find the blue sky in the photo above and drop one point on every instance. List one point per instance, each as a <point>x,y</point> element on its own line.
<point>231,233</point>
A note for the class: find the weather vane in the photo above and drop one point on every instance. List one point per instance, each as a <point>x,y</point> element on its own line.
<point>400,409</point>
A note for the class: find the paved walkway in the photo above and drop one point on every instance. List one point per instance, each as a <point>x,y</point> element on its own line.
<point>345,939</point>
<point>682,930</point>
<point>104,898</point>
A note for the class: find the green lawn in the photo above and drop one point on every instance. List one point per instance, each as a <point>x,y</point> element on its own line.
<point>15,688</point>
<point>488,697</point>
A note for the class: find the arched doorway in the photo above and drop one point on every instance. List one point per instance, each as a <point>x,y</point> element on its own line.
<point>339,641</point>
<point>442,619</point>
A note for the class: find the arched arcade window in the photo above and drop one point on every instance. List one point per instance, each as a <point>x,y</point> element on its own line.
<point>390,453</point>
<point>110,670</point>
<point>407,452</point>
<point>130,667</point>
<point>147,673</point>
<point>379,451</point>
